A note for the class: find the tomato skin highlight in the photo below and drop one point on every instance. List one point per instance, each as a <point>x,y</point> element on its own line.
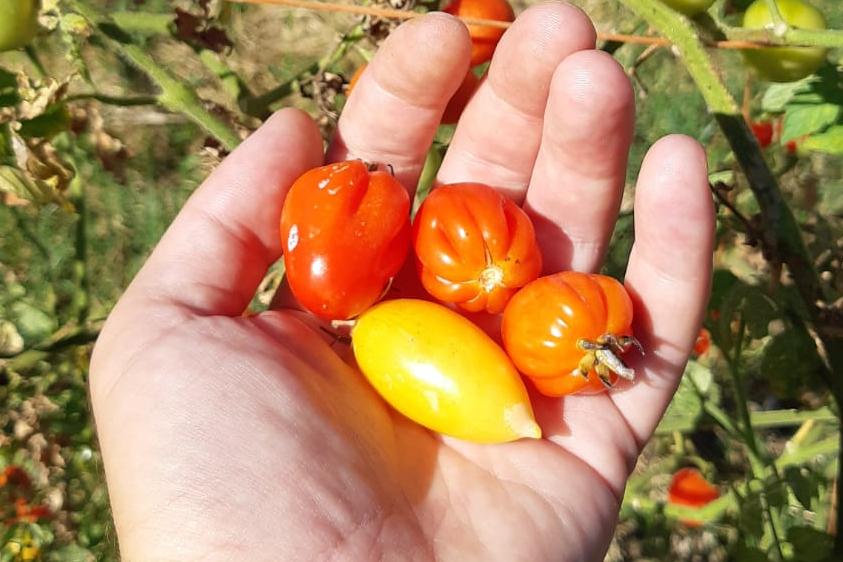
<point>443,372</point>
<point>484,39</point>
<point>544,321</point>
<point>474,247</point>
<point>345,232</point>
<point>785,64</point>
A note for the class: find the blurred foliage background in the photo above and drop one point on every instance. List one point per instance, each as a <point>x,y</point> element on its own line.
<point>112,162</point>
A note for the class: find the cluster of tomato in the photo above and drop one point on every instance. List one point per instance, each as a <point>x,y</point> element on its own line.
<point>346,233</point>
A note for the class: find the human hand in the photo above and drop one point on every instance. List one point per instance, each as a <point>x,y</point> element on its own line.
<point>232,437</point>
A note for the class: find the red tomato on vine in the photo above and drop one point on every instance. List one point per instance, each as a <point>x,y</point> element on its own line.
<point>345,232</point>
<point>703,343</point>
<point>688,488</point>
<point>474,246</point>
<point>567,332</point>
<point>484,39</point>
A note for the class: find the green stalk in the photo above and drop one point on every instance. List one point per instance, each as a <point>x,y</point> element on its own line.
<point>143,23</point>
<point>175,95</point>
<point>115,100</point>
<point>82,297</point>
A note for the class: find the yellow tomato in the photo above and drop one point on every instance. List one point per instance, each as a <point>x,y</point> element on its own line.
<point>443,372</point>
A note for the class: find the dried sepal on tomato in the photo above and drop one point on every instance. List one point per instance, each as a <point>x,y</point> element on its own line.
<point>568,332</point>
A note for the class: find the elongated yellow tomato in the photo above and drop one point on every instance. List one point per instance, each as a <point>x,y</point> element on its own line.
<point>442,371</point>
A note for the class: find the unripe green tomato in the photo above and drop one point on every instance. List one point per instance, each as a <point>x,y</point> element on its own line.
<point>18,23</point>
<point>689,7</point>
<point>785,64</point>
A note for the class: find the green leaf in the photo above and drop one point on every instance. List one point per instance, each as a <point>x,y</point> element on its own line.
<point>829,141</point>
<point>55,120</point>
<point>789,362</point>
<point>802,486</point>
<point>778,96</point>
<point>8,89</point>
<point>71,553</point>
<point>805,119</point>
<point>809,544</point>
<point>686,408</point>
<point>746,553</point>
<point>32,323</point>
<point>751,518</point>
<point>751,304</point>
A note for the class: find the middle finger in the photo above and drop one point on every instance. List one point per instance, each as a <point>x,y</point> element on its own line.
<point>498,136</point>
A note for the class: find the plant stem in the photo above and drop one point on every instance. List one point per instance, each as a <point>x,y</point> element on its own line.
<point>143,23</point>
<point>829,38</point>
<point>82,296</point>
<point>114,100</point>
<point>175,95</point>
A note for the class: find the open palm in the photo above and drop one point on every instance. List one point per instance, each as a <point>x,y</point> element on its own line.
<point>228,437</point>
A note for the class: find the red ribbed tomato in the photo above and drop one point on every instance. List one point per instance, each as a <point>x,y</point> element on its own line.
<point>566,332</point>
<point>474,246</point>
<point>345,232</point>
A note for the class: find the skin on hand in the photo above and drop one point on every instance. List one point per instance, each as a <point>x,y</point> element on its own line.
<point>227,437</point>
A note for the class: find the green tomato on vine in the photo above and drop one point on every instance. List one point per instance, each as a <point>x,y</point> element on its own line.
<point>18,23</point>
<point>689,7</point>
<point>785,64</point>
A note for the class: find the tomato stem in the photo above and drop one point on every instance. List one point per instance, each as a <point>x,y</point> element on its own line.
<point>603,356</point>
<point>490,278</point>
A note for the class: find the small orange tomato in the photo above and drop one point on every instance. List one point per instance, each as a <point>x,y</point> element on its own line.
<point>688,488</point>
<point>345,232</point>
<point>484,39</point>
<point>703,343</point>
<point>460,99</point>
<point>474,246</point>
<point>566,332</point>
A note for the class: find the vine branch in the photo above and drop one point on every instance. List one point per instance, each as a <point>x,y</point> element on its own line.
<point>175,95</point>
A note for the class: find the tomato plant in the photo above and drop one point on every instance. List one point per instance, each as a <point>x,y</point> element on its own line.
<point>566,331</point>
<point>785,64</point>
<point>474,246</point>
<point>18,23</point>
<point>443,372</point>
<point>345,232</point>
<point>484,39</point>
<point>689,7</point>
